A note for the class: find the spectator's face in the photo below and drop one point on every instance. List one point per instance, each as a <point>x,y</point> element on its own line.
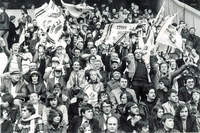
<point>34,98</point>
<point>58,73</point>
<point>25,113</point>
<point>93,75</point>
<point>54,102</point>
<point>41,49</point>
<point>15,49</point>
<point>184,113</point>
<point>160,113</point>
<point>134,109</point>
<point>15,77</point>
<point>164,68</point>
<point>34,78</point>
<point>90,44</point>
<point>88,114</point>
<point>192,31</point>
<point>196,96</point>
<point>112,125</point>
<point>145,129</point>
<point>97,64</point>
<point>106,108</point>
<point>57,91</point>
<point>123,83</point>
<point>80,45</point>
<point>190,83</point>
<point>93,51</point>
<point>138,55</point>
<point>114,56</point>
<point>124,98</point>
<point>57,119</point>
<point>114,65</point>
<point>151,95</point>
<point>4,104</point>
<point>161,86</point>
<point>77,53</point>
<point>59,50</point>
<point>173,64</point>
<point>76,66</point>
<point>173,97</point>
<point>169,123</point>
<point>116,75</point>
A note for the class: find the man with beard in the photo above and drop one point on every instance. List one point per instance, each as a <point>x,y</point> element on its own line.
<point>86,117</point>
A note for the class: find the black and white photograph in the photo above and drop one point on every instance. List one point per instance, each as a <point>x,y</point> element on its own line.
<point>99,66</point>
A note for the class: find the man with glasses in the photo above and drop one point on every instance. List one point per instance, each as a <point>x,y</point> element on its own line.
<point>106,112</point>
<point>184,93</point>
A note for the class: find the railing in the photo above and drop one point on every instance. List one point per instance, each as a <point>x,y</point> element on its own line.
<point>190,15</point>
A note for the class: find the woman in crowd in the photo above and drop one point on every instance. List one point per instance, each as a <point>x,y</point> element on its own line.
<point>155,120</point>
<point>54,103</point>
<point>184,121</point>
<point>5,122</point>
<point>55,122</point>
<point>125,97</point>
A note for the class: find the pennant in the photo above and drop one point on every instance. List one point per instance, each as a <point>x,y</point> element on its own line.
<point>169,36</point>
<point>76,10</point>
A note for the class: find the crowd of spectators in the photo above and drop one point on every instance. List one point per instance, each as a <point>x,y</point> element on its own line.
<point>81,87</point>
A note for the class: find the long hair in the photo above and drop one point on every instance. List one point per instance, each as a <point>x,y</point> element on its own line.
<point>180,107</point>
<point>155,111</point>
<point>53,113</point>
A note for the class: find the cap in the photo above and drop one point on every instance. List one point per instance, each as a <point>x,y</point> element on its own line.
<point>55,59</point>
<point>35,72</point>
<point>15,72</point>
<point>115,61</point>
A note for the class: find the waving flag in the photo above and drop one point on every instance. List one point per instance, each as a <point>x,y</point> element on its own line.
<point>76,10</point>
<point>169,36</point>
<point>160,15</point>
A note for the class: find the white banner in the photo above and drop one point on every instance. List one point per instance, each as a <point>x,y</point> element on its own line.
<point>113,32</point>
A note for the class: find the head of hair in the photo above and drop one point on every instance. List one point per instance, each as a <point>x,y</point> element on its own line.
<point>128,95</point>
<point>29,107</point>
<point>107,102</point>
<point>7,97</point>
<point>170,92</point>
<point>166,116</point>
<point>128,107</point>
<point>155,111</point>
<point>58,85</point>
<point>53,113</point>
<point>102,93</point>
<point>140,124</point>
<point>50,98</point>
<point>166,82</point>
<point>180,107</point>
<point>85,108</point>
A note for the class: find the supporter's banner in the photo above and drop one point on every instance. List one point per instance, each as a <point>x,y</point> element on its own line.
<point>169,35</point>
<point>113,33</point>
<point>50,18</point>
<point>76,10</point>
